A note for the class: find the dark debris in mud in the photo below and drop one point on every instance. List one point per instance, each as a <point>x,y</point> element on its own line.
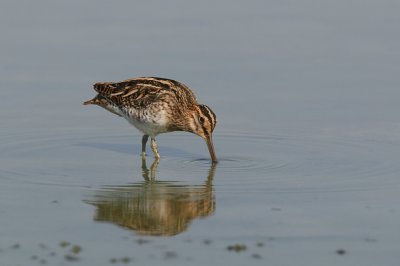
<point>65,252</point>
<point>256,256</point>
<point>123,260</point>
<point>237,247</point>
<point>341,252</point>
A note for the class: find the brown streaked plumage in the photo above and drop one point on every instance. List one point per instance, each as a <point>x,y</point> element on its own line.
<point>157,105</point>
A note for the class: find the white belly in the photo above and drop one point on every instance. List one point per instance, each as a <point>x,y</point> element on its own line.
<point>149,124</point>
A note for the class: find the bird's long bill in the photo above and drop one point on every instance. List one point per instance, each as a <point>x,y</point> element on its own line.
<point>210,146</point>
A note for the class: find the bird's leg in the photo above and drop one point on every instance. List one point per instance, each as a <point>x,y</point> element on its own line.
<point>149,175</point>
<point>153,145</point>
<point>153,168</point>
<point>145,170</point>
<point>144,141</point>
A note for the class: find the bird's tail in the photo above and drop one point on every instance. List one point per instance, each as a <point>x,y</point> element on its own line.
<point>92,101</point>
<point>96,100</point>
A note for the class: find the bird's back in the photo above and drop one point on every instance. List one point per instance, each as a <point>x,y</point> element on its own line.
<point>140,93</point>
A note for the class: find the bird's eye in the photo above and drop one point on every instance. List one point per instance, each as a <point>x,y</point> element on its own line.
<point>201,120</point>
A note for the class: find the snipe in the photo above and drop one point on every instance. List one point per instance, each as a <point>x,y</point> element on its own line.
<point>157,105</point>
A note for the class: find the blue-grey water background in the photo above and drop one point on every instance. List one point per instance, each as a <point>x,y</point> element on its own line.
<point>307,97</point>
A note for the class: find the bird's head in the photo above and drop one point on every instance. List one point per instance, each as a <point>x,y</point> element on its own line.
<point>202,124</point>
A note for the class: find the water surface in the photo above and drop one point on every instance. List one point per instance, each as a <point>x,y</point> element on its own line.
<point>306,97</point>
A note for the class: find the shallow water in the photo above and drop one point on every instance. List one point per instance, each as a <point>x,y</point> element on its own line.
<point>308,135</point>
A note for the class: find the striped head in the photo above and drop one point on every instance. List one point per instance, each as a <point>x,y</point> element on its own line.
<point>202,124</point>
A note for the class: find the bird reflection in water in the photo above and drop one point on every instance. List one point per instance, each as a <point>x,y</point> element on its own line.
<point>151,207</point>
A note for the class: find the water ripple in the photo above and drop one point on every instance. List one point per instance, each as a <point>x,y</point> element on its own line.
<point>247,161</point>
